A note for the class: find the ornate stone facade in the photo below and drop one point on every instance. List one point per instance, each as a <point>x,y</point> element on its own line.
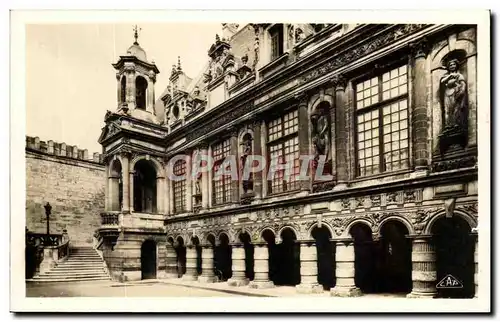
<point>263,232</point>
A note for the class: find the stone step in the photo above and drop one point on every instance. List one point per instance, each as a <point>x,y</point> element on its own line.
<point>74,273</point>
<point>70,260</point>
<point>84,257</point>
<point>74,269</point>
<point>77,279</point>
<point>73,265</point>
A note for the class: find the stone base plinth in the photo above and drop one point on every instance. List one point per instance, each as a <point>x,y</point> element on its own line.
<point>189,278</point>
<point>421,295</point>
<point>345,292</point>
<point>207,279</point>
<point>237,282</point>
<point>309,288</point>
<point>259,284</point>
<point>171,275</point>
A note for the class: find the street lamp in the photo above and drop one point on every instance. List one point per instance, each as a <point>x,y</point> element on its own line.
<point>48,209</point>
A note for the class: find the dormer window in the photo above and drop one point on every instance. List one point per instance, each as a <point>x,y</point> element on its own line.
<point>276,35</point>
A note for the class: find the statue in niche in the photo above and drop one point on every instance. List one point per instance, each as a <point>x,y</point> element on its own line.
<point>321,138</point>
<point>454,105</point>
<point>197,179</point>
<point>247,150</point>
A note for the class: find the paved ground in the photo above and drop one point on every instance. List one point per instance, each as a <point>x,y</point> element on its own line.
<point>109,289</point>
<point>162,288</point>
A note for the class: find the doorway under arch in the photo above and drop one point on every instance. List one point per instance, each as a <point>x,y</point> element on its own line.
<point>394,259</point>
<point>180,249</point>
<point>325,251</point>
<point>364,257</point>
<point>287,259</point>
<point>223,258</point>
<point>144,187</point>
<point>454,247</point>
<point>148,259</point>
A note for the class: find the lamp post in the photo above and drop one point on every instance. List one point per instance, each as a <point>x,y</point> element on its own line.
<point>48,209</point>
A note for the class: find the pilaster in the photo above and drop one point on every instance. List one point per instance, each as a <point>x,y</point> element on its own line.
<point>341,131</point>
<point>125,158</point>
<point>304,145</point>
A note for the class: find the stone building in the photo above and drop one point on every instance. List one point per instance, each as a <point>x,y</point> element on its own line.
<point>389,109</point>
<point>72,181</point>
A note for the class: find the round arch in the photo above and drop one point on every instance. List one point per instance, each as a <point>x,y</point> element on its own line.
<point>285,227</point>
<point>347,231</point>
<point>315,225</point>
<point>160,171</point>
<point>470,219</point>
<point>401,219</point>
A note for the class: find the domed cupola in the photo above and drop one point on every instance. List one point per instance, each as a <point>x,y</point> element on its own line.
<point>135,82</point>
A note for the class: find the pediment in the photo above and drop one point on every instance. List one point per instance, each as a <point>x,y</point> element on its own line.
<point>108,131</point>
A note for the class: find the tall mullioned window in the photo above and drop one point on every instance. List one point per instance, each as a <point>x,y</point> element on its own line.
<point>180,186</point>
<point>276,35</point>
<point>382,140</point>
<point>221,183</point>
<point>283,147</point>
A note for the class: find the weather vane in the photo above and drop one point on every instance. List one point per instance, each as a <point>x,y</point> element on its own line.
<point>136,34</point>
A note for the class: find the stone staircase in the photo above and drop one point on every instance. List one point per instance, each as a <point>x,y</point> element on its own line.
<point>82,264</point>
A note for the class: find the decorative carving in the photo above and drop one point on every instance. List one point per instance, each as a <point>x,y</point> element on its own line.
<point>299,35</point>
<point>246,144</point>
<point>420,49</point>
<point>374,44</point>
<point>337,225</point>
<point>470,208</point>
<point>392,198</point>
<point>454,104</point>
<point>375,199</point>
<point>463,162</point>
<point>346,204</point>
<point>320,131</point>
<point>323,186</point>
<point>339,82</point>
<point>420,218</point>
<point>410,196</point>
<point>219,121</point>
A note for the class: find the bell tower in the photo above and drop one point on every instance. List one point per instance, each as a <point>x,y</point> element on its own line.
<point>135,77</point>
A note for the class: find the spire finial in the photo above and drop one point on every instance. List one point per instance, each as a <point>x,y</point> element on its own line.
<point>136,34</point>
<point>179,68</point>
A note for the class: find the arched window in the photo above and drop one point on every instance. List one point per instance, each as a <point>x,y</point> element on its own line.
<point>123,90</point>
<point>141,85</point>
<point>116,186</point>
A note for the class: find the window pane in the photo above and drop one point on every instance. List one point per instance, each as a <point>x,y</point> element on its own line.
<point>396,137</point>
<point>368,143</point>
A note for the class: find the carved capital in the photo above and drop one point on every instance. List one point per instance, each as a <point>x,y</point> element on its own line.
<point>118,75</point>
<point>233,131</point>
<point>420,48</point>
<point>339,82</point>
<point>203,145</point>
<point>301,97</point>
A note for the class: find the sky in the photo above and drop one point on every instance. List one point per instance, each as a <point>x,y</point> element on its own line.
<point>70,82</point>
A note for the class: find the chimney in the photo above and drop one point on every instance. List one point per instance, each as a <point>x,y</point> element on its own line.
<point>63,149</point>
<point>50,147</point>
<point>228,30</point>
<point>96,157</point>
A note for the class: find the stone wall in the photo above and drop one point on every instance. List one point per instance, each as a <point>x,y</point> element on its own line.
<point>73,185</point>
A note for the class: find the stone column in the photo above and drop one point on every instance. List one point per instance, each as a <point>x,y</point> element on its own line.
<point>204,179</point>
<point>130,89</point>
<point>341,133</point>
<point>238,266</point>
<point>171,262</point>
<point>207,264</point>
<point>423,275</point>
<point>171,196</point>
<point>263,147</point>
<point>166,196</point>
<point>476,265</point>
<point>261,267</point>
<point>189,183</point>
<point>106,188</point>
<point>126,182</point>
<point>131,190</point>
<point>257,150</point>
<point>308,268</point>
<point>235,184</point>
<point>150,94</point>
<point>344,270</point>
<point>419,118</point>
<point>114,191</point>
<point>191,256</point>
<point>160,194</point>
<point>210,181</point>
<point>304,145</point>
<point>118,90</point>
